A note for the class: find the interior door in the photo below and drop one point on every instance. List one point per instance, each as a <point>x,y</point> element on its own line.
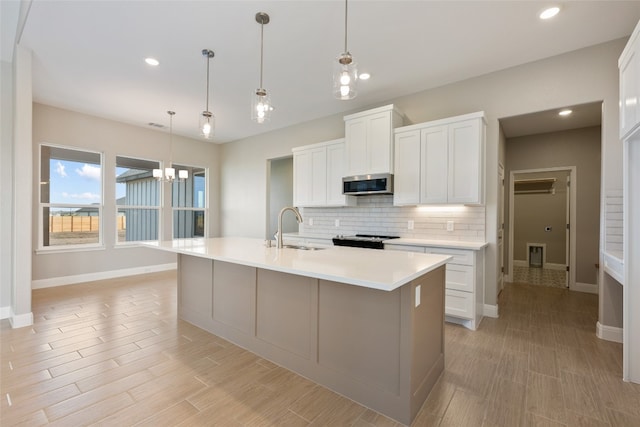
<point>500,274</point>
<point>568,233</point>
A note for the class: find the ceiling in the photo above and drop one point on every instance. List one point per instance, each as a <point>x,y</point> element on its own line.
<point>582,116</point>
<point>88,56</point>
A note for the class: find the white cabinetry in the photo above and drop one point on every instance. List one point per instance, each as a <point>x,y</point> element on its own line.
<point>317,175</point>
<point>369,140</point>
<point>630,133</point>
<point>629,65</point>
<point>464,293</point>
<point>440,162</point>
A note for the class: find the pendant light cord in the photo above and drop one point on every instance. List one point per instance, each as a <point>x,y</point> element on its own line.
<point>261,49</point>
<point>208,61</point>
<point>345,25</point>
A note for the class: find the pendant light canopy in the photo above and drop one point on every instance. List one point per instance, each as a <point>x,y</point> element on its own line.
<point>170,172</point>
<point>345,73</point>
<point>261,101</point>
<point>207,119</point>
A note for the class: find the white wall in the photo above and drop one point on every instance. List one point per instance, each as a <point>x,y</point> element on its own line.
<point>57,126</point>
<point>578,77</point>
<point>6,184</point>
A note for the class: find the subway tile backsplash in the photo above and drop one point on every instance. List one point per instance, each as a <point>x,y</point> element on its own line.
<point>377,215</point>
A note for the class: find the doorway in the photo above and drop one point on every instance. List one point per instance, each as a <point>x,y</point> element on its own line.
<point>279,195</point>
<point>541,211</point>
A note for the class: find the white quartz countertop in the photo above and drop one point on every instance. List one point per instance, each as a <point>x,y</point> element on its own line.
<point>451,244</point>
<point>370,268</point>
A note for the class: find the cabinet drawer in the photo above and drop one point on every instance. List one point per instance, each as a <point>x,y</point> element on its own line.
<point>458,304</point>
<point>460,277</point>
<point>460,256</point>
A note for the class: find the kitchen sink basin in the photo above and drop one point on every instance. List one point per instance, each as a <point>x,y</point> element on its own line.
<point>304,248</point>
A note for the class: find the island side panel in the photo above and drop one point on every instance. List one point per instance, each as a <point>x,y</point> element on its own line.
<point>194,289</point>
<point>286,312</point>
<point>427,336</point>
<point>234,296</point>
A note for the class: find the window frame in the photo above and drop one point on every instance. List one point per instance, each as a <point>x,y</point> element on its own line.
<point>117,207</point>
<point>41,248</point>
<point>204,209</point>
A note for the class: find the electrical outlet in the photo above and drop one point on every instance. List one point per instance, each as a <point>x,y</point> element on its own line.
<point>449,225</point>
<point>418,296</point>
<point>410,224</point>
<point>337,223</point>
<point>310,221</point>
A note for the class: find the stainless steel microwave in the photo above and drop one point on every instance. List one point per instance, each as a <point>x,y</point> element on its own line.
<point>361,185</point>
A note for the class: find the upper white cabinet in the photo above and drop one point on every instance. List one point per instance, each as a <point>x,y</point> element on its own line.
<point>440,162</point>
<point>629,64</point>
<point>369,140</point>
<point>317,175</point>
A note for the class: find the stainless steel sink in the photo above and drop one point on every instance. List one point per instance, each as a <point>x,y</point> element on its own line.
<point>304,248</point>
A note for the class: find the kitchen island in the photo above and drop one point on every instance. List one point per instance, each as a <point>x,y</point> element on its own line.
<point>367,324</point>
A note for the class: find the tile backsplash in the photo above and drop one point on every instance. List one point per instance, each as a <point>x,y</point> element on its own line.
<point>377,215</point>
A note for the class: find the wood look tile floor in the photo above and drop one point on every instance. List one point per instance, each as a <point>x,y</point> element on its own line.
<point>114,353</point>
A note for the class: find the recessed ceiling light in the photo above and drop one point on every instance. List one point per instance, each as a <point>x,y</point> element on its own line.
<point>565,112</point>
<point>152,61</point>
<point>549,12</point>
<point>364,76</point>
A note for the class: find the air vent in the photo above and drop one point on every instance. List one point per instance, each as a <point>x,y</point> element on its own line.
<point>155,125</point>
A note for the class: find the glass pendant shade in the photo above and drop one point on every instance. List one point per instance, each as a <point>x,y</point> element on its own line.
<point>170,172</point>
<point>261,106</point>
<point>183,174</point>
<point>157,174</point>
<point>345,77</point>
<point>207,124</point>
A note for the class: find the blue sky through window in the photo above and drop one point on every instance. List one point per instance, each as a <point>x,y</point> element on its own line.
<point>74,182</point>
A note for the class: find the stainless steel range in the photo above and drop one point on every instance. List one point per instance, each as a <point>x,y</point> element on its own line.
<point>362,241</point>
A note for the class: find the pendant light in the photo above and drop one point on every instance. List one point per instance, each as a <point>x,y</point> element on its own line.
<point>207,119</point>
<point>261,101</point>
<point>170,172</point>
<point>345,73</point>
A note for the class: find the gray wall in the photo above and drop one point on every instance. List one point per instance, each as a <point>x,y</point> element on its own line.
<point>63,127</point>
<point>577,77</point>
<point>535,211</point>
<point>580,148</point>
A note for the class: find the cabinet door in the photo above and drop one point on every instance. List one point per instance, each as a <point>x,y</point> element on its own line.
<point>379,143</point>
<point>318,176</point>
<point>406,181</point>
<point>433,162</point>
<point>356,146</point>
<point>301,178</point>
<point>465,180</point>
<point>629,91</point>
<point>336,170</point>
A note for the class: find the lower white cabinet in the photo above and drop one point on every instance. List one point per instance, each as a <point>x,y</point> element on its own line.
<point>317,175</point>
<point>464,293</point>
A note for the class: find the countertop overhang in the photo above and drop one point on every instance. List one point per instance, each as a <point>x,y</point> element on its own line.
<point>370,268</point>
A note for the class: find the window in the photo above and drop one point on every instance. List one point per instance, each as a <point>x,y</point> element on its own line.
<point>137,200</point>
<point>188,200</point>
<point>70,197</point>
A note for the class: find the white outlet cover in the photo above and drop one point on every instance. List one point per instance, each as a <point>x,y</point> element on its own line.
<point>337,223</point>
<point>310,221</point>
<point>418,295</point>
<point>410,224</point>
<point>449,225</point>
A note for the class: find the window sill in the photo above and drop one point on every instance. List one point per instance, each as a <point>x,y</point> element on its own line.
<point>61,250</point>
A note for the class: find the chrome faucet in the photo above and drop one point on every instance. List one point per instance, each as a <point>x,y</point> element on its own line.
<point>298,218</point>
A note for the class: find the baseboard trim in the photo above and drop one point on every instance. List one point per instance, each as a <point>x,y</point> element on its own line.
<point>520,263</point>
<point>552,266</point>
<point>585,287</point>
<point>490,310</point>
<point>608,333</point>
<point>21,320</point>
<point>102,275</point>
<point>5,312</point>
